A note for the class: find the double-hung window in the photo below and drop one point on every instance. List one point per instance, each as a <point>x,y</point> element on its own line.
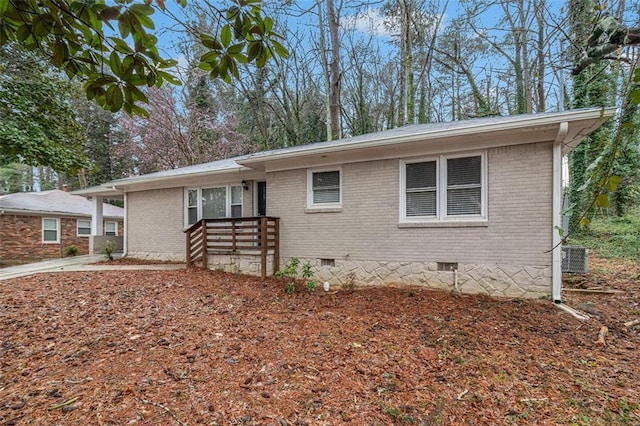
<point>443,188</point>
<point>84,227</point>
<point>111,229</point>
<point>50,230</point>
<point>212,203</point>
<point>324,188</point>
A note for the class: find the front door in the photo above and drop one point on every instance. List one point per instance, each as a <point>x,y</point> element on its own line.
<point>262,198</point>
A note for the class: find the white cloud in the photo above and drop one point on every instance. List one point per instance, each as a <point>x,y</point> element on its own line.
<point>368,21</point>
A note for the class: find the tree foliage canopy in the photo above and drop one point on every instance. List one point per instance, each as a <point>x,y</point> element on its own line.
<point>81,38</point>
<point>38,124</point>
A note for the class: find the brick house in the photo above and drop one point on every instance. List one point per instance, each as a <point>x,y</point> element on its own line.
<point>473,206</point>
<point>41,225</point>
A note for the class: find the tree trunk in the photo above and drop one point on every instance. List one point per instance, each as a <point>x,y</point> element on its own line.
<point>334,71</point>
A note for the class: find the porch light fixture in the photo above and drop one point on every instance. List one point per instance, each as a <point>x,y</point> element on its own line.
<point>245,185</point>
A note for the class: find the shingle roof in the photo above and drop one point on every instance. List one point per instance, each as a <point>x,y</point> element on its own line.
<point>55,201</point>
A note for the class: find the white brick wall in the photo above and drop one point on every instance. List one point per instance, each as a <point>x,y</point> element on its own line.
<point>518,231</point>
<point>155,222</point>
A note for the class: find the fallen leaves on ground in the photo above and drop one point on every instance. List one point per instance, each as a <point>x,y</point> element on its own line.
<point>200,347</point>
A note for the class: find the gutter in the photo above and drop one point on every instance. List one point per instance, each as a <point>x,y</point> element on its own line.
<point>473,129</point>
<point>122,185</point>
<point>556,252</point>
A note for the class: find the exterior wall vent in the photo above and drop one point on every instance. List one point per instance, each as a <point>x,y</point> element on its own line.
<point>328,262</point>
<point>575,259</point>
<point>447,266</point>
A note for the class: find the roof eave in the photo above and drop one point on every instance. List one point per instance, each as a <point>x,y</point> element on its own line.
<point>257,162</point>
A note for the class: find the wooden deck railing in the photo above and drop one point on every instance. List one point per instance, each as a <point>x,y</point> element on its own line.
<point>233,235</point>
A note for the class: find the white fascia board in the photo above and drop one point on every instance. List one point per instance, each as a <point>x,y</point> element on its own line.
<point>518,122</point>
<point>53,213</point>
<point>121,186</point>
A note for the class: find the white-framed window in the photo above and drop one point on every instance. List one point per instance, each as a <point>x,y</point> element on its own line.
<point>212,203</point>
<point>84,227</point>
<point>324,188</point>
<point>446,187</point>
<point>235,203</point>
<point>111,229</point>
<point>50,230</point>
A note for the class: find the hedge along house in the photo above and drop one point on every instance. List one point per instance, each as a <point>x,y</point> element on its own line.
<point>42,225</point>
<point>470,204</point>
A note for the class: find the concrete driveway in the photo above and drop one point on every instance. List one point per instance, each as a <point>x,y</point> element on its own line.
<point>78,263</point>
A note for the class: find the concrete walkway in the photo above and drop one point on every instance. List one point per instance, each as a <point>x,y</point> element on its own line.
<point>78,263</point>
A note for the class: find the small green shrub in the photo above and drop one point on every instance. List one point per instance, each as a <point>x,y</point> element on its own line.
<point>108,249</point>
<point>290,272</point>
<point>71,251</point>
<point>290,287</point>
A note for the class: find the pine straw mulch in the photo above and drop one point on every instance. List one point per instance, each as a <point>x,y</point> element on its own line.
<point>199,347</point>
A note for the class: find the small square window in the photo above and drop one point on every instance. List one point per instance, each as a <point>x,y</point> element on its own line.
<point>324,188</point>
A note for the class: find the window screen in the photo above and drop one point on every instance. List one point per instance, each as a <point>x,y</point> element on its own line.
<point>421,193</point>
<point>464,186</point>
<point>326,187</point>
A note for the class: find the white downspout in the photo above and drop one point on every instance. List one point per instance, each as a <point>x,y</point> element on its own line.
<point>556,253</point>
<point>125,237</point>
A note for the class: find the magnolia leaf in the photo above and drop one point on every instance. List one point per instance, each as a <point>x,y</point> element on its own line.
<point>280,49</point>
<point>115,64</point>
<point>225,35</point>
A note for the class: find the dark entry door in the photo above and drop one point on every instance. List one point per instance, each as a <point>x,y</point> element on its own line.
<point>262,198</point>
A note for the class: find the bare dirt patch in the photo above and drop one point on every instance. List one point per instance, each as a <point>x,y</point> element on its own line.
<point>200,347</point>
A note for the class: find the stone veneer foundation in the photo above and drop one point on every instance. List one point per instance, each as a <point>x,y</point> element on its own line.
<point>493,280</point>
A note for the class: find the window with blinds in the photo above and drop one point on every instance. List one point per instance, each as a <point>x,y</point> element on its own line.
<point>444,187</point>
<point>325,187</point>
<point>464,186</point>
<point>421,189</point>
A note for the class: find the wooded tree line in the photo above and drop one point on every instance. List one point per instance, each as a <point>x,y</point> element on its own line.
<point>352,68</point>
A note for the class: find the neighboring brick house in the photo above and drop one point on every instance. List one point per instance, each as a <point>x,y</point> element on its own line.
<point>41,225</point>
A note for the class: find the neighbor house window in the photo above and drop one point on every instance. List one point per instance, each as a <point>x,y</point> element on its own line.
<point>443,188</point>
<point>212,203</point>
<point>50,230</point>
<point>84,227</point>
<point>324,188</point>
<point>111,229</point>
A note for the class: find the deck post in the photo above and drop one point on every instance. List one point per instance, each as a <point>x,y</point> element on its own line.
<point>188,248</point>
<point>205,244</point>
<point>233,235</point>
<point>263,246</point>
<point>276,245</point>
